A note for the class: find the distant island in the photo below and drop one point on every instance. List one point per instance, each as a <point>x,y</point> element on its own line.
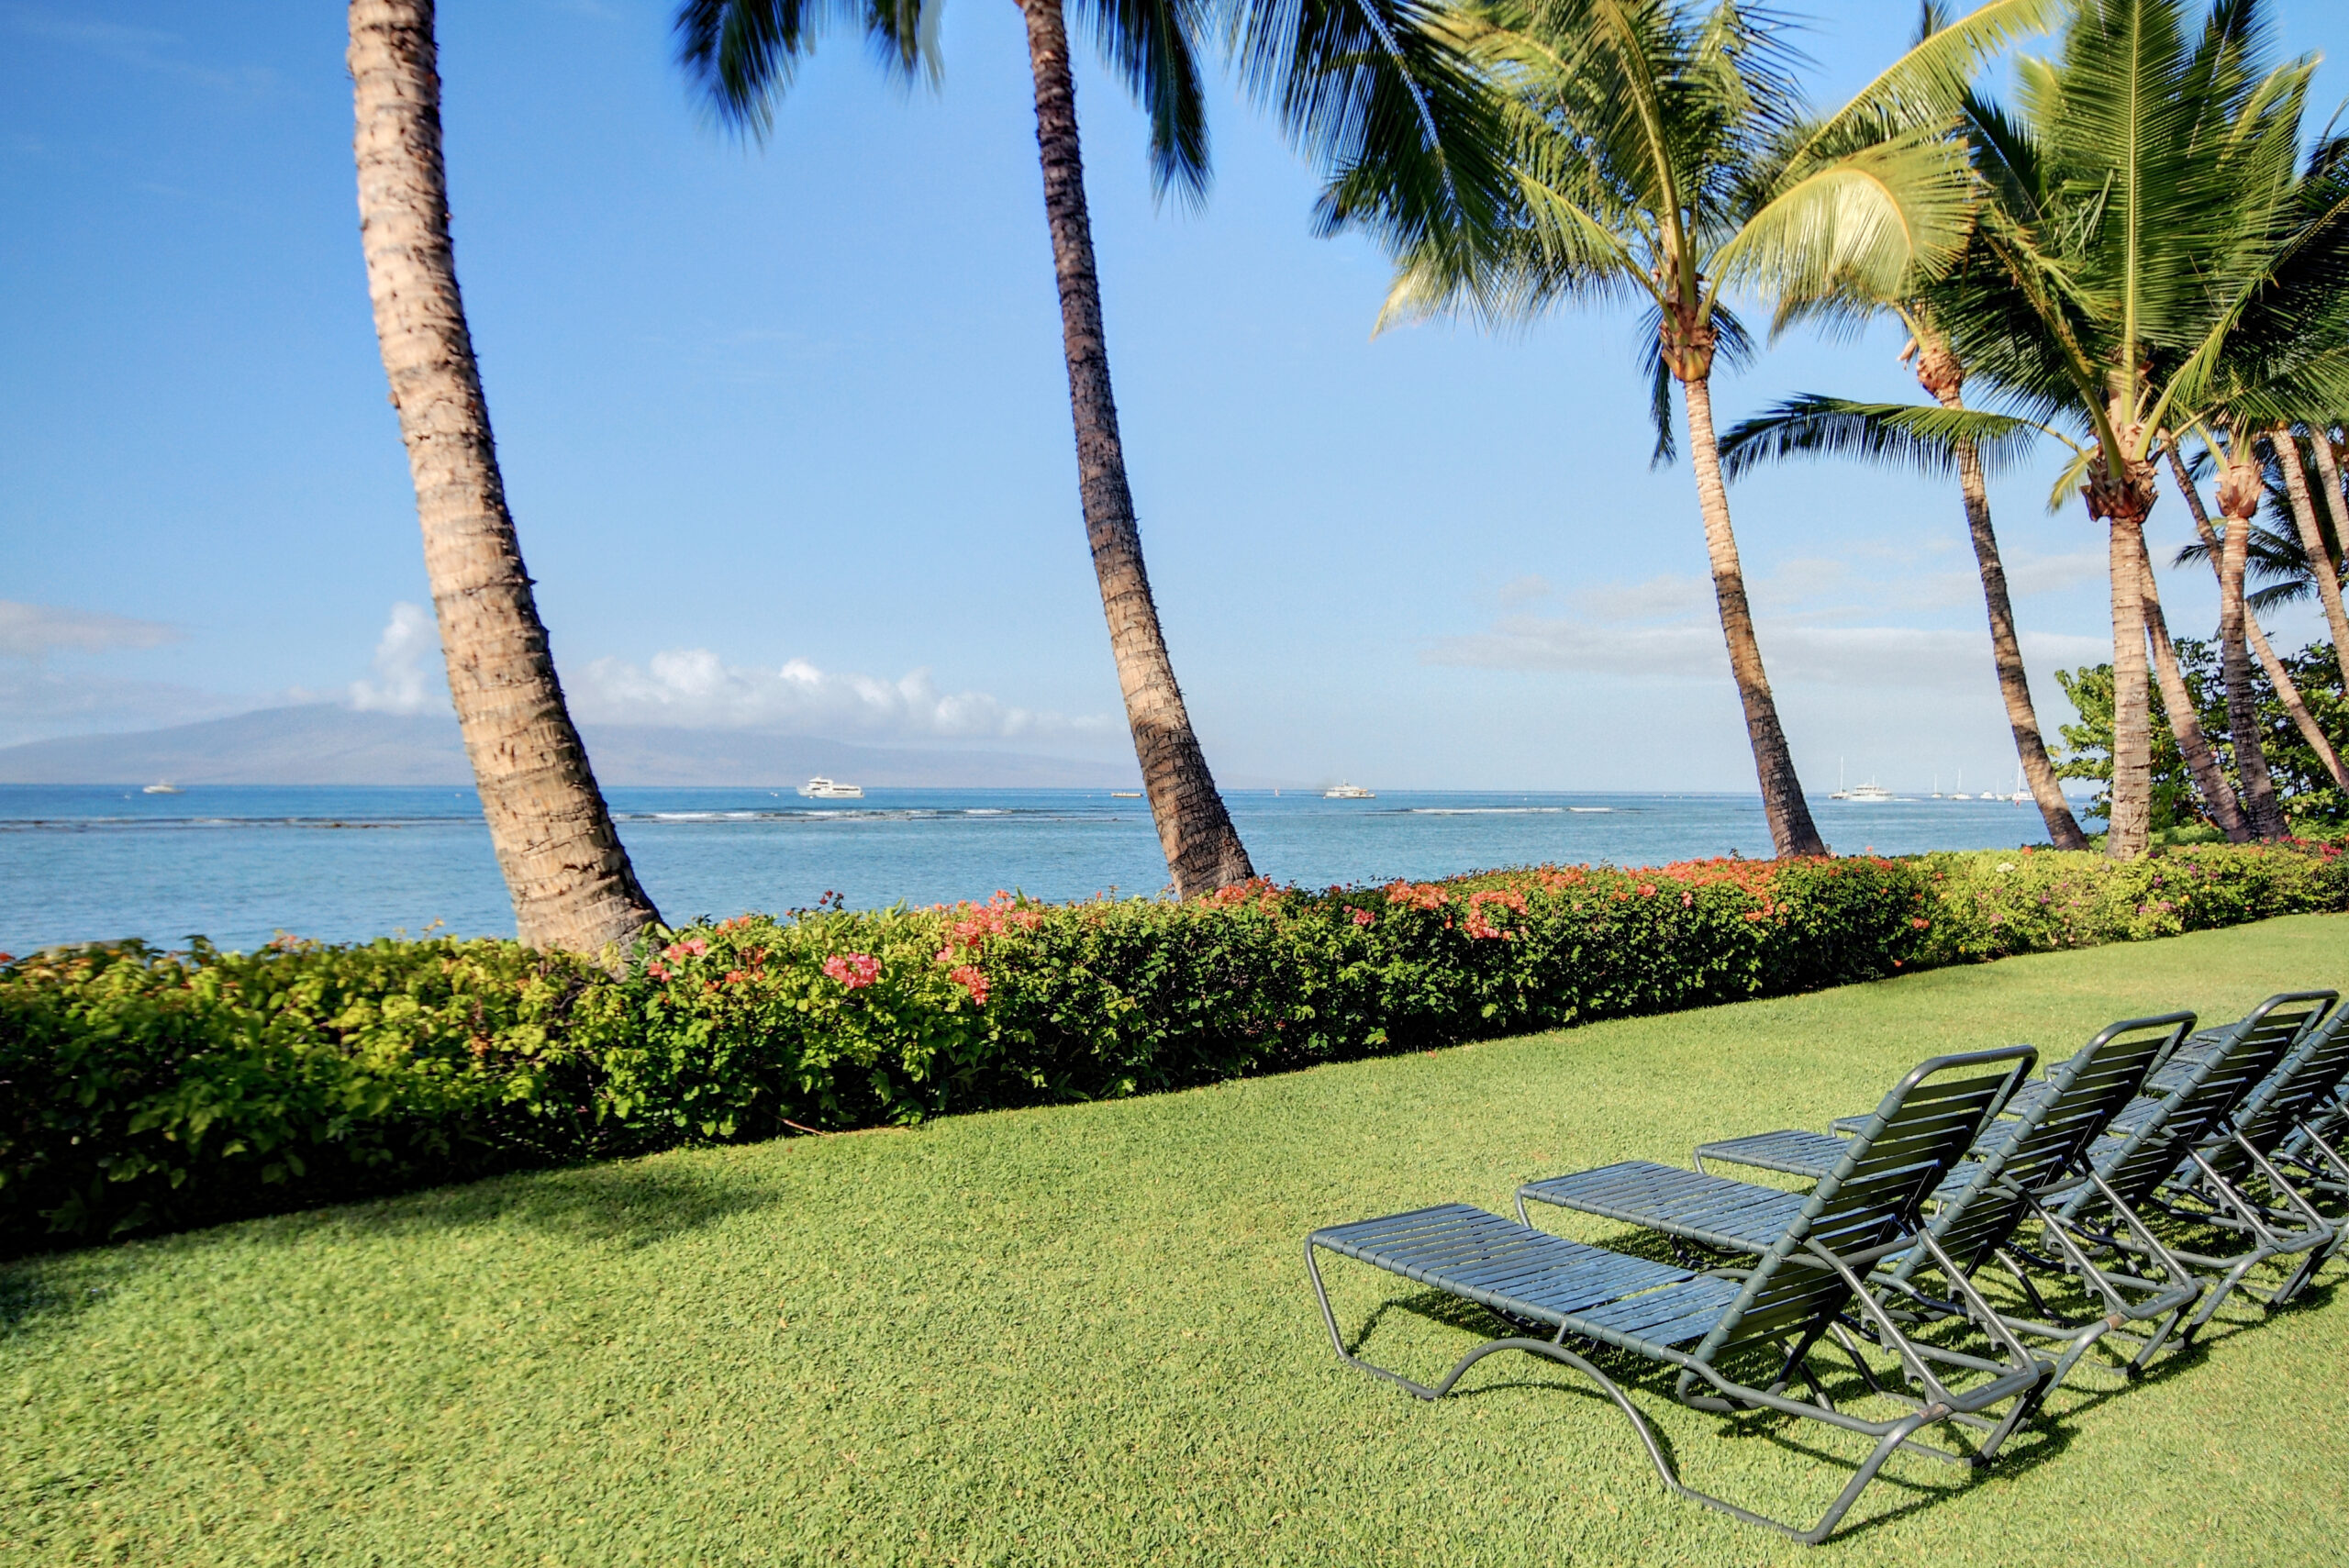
<point>327,743</point>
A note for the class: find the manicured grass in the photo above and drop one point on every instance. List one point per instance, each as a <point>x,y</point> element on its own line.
<point>1083,1335</point>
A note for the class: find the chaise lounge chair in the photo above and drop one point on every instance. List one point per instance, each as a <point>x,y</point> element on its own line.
<point>2016,1164</point>
<point>1710,1325</point>
<point>2213,1188</point>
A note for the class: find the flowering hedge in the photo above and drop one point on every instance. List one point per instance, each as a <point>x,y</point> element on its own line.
<point>141,1090</point>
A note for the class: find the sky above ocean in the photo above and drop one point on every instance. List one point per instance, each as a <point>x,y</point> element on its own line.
<point>786,433</point>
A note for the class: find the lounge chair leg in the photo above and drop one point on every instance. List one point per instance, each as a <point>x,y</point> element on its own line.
<point>1551,1350</point>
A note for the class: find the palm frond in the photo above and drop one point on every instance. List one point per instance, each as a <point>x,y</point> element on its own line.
<point>1382,97</point>
<point>1154,46</point>
<point>1927,85</point>
<point>743,55</point>
<point>1923,437</point>
<point>1877,220</point>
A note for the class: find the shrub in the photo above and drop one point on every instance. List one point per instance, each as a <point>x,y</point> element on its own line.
<point>1990,904</point>
<point>141,1090</point>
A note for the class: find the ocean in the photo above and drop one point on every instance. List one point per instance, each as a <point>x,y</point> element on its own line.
<point>238,863</point>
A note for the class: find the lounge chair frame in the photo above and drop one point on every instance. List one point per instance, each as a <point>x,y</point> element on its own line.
<point>1789,1300</point>
<point>2017,1163</point>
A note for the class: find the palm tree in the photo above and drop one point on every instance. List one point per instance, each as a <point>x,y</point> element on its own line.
<point>1812,425</point>
<point>1661,155</point>
<point>569,877</point>
<point>1355,80</point>
<point>2274,555</point>
<point>2129,239</point>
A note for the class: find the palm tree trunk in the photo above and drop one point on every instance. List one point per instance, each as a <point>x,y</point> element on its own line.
<point>1791,830</point>
<point>2328,580</point>
<point>2287,690</point>
<point>570,882</point>
<point>2240,488</point>
<point>2202,763</point>
<point>2129,832</point>
<point>1203,849</point>
<point>1940,374</point>
<point>2328,469</point>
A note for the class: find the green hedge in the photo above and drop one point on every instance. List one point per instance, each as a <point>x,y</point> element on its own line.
<point>141,1090</point>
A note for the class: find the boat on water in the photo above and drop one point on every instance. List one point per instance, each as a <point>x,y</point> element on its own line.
<point>1125,795</point>
<point>161,786</point>
<point>1864,794</point>
<point>1349,791</point>
<point>1961,797</point>
<point>821,788</point>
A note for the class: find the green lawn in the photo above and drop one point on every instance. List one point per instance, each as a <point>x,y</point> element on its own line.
<point>1085,1335</point>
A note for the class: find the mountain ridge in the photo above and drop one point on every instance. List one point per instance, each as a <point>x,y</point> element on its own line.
<point>327,743</point>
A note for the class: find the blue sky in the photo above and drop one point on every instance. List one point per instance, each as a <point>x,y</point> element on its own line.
<point>786,433</point>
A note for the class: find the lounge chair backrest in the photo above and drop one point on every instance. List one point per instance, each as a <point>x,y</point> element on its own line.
<point>1868,1204</point>
<point>2308,1077</point>
<point>2085,1092</point>
<point>2247,1050</point>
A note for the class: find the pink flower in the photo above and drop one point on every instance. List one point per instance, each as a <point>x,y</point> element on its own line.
<point>853,970</point>
<point>971,979</point>
<point>1365,917</point>
<point>657,970</point>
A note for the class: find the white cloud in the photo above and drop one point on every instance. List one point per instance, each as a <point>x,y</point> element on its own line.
<point>34,631</point>
<point>2028,574</point>
<point>1869,656</point>
<point>1664,595</point>
<point>407,665</point>
<point>1525,590</point>
<point>693,688</point>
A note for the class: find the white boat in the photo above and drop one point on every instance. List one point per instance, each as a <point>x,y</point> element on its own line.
<point>1864,794</point>
<point>821,788</point>
<point>1961,797</point>
<point>161,786</point>
<point>1125,795</point>
<point>1349,791</point>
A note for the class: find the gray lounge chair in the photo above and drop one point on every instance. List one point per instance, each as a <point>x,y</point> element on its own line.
<point>1711,1326</point>
<point>2100,1219</point>
<point>2016,1164</point>
<point>2214,1188</point>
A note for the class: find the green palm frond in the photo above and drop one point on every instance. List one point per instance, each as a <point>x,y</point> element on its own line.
<point>1927,85</point>
<point>1876,221</point>
<point>745,53</point>
<point>1924,438</point>
<point>1154,46</point>
<point>1382,95</point>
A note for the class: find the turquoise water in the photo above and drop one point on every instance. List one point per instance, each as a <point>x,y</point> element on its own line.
<point>237,863</point>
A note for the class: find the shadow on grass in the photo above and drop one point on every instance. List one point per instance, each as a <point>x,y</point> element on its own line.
<point>623,1206</point>
<point>2039,1442</point>
<point>628,1205</point>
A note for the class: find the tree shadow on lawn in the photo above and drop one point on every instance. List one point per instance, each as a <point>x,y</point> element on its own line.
<point>625,1206</point>
<point>628,1205</point>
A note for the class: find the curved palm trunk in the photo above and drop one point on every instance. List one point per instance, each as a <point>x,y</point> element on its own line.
<point>1791,830</point>
<point>2328,580</point>
<point>2120,503</point>
<point>1938,372</point>
<point>571,881</point>
<point>2287,691</point>
<point>1203,849</point>
<point>2184,723</point>
<point>2240,489</point>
